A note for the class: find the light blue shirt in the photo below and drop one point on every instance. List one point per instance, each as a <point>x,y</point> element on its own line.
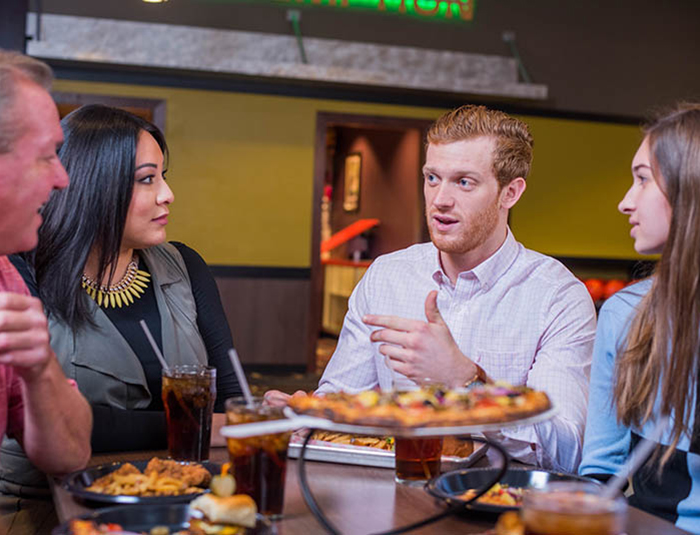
<point>606,443</point>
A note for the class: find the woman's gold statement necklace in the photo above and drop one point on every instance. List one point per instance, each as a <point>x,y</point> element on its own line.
<point>132,285</point>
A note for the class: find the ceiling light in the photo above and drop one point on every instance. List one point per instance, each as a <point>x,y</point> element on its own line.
<point>155,1</point>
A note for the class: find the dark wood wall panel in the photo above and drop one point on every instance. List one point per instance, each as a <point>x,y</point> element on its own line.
<point>268,319</point>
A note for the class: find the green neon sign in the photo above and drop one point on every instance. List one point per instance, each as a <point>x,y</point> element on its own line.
<point>443,10</point>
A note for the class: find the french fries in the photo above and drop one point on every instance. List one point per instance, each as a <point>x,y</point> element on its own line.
<point>384,443</point>
<point>129,481</point>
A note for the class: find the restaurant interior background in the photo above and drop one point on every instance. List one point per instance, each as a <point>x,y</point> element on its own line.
<point>257,135</point>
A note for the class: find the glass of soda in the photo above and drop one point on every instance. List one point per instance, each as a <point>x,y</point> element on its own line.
<point>417,459</point>
<point>188,393</point>
<point>572,508</point>
<point>259,464</point>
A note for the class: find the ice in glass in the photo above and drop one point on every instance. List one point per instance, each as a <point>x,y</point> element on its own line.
<point>259,463</point>
<point>573,508</point>
<point>188,394</point>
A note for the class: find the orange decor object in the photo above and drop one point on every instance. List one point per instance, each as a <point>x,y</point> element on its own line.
<point>348,233</point>
<point>596,288</point>
<point>345,262</point>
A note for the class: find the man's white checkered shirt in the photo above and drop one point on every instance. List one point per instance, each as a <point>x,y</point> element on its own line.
<point>522,316</point>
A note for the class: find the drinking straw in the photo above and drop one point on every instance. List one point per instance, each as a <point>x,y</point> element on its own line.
<point>636,459</point>
<point>233,355</point>
<point>178,394</point>
<point>148,334</point>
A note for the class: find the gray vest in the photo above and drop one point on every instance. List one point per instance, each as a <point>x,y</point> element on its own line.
<point>107,370</point>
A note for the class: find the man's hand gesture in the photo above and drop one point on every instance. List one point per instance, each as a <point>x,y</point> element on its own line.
<point>24,337</point>
<point>423,351</point>
<point>57,419</point>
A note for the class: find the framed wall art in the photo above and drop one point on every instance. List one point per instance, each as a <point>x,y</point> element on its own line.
<point>353,175</point>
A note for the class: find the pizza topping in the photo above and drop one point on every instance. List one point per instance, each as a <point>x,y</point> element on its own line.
<point>500,494</point>
<point>368,398</point>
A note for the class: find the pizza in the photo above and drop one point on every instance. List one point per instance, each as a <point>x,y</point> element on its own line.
<point>430,406</point>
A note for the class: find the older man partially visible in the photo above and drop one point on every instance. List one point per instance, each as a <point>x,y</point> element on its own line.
<point>38,406</point>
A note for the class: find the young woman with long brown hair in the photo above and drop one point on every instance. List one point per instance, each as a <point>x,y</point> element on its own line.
<point>646,356</point>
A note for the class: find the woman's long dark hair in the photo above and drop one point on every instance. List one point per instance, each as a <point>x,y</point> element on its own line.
<point>99,154</point>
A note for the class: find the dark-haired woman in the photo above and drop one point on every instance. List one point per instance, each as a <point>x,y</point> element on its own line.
<point>102,265</point>
<point>646,357</point>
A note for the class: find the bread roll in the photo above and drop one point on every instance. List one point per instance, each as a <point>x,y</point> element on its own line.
<point>238,509</point>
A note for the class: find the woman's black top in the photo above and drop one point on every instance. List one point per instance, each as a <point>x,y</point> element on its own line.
<point>121,430</point>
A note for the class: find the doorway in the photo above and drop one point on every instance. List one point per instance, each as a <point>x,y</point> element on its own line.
<point>366,168</point>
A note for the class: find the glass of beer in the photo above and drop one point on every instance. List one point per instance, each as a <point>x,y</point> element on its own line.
<point>188,396</point>
<point>572,508</point>
<point>417,459</point>
<point>259,464</point>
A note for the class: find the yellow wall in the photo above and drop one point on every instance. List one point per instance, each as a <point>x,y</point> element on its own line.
<point>242,170</point>
<point>580,173</point>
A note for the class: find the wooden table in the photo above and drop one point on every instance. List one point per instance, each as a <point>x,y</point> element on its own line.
<point>357,500</point>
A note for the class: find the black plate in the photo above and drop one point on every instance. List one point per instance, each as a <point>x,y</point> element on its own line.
<point>142,518</point>
<point>450,485</point>
<point>77,482</point>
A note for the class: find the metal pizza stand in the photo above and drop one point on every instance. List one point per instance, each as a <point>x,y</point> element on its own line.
<point>313,423</point>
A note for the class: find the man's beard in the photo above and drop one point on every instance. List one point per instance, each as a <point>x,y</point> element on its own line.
<point>477,229</point>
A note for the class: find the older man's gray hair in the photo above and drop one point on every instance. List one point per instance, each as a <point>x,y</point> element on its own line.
<point>16,68</point>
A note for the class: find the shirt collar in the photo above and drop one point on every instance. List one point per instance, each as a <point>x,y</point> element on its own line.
<point>490,270</point>
<point>439,276</point>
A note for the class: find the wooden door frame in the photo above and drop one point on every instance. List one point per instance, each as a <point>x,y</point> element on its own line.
<point>324,120</point>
